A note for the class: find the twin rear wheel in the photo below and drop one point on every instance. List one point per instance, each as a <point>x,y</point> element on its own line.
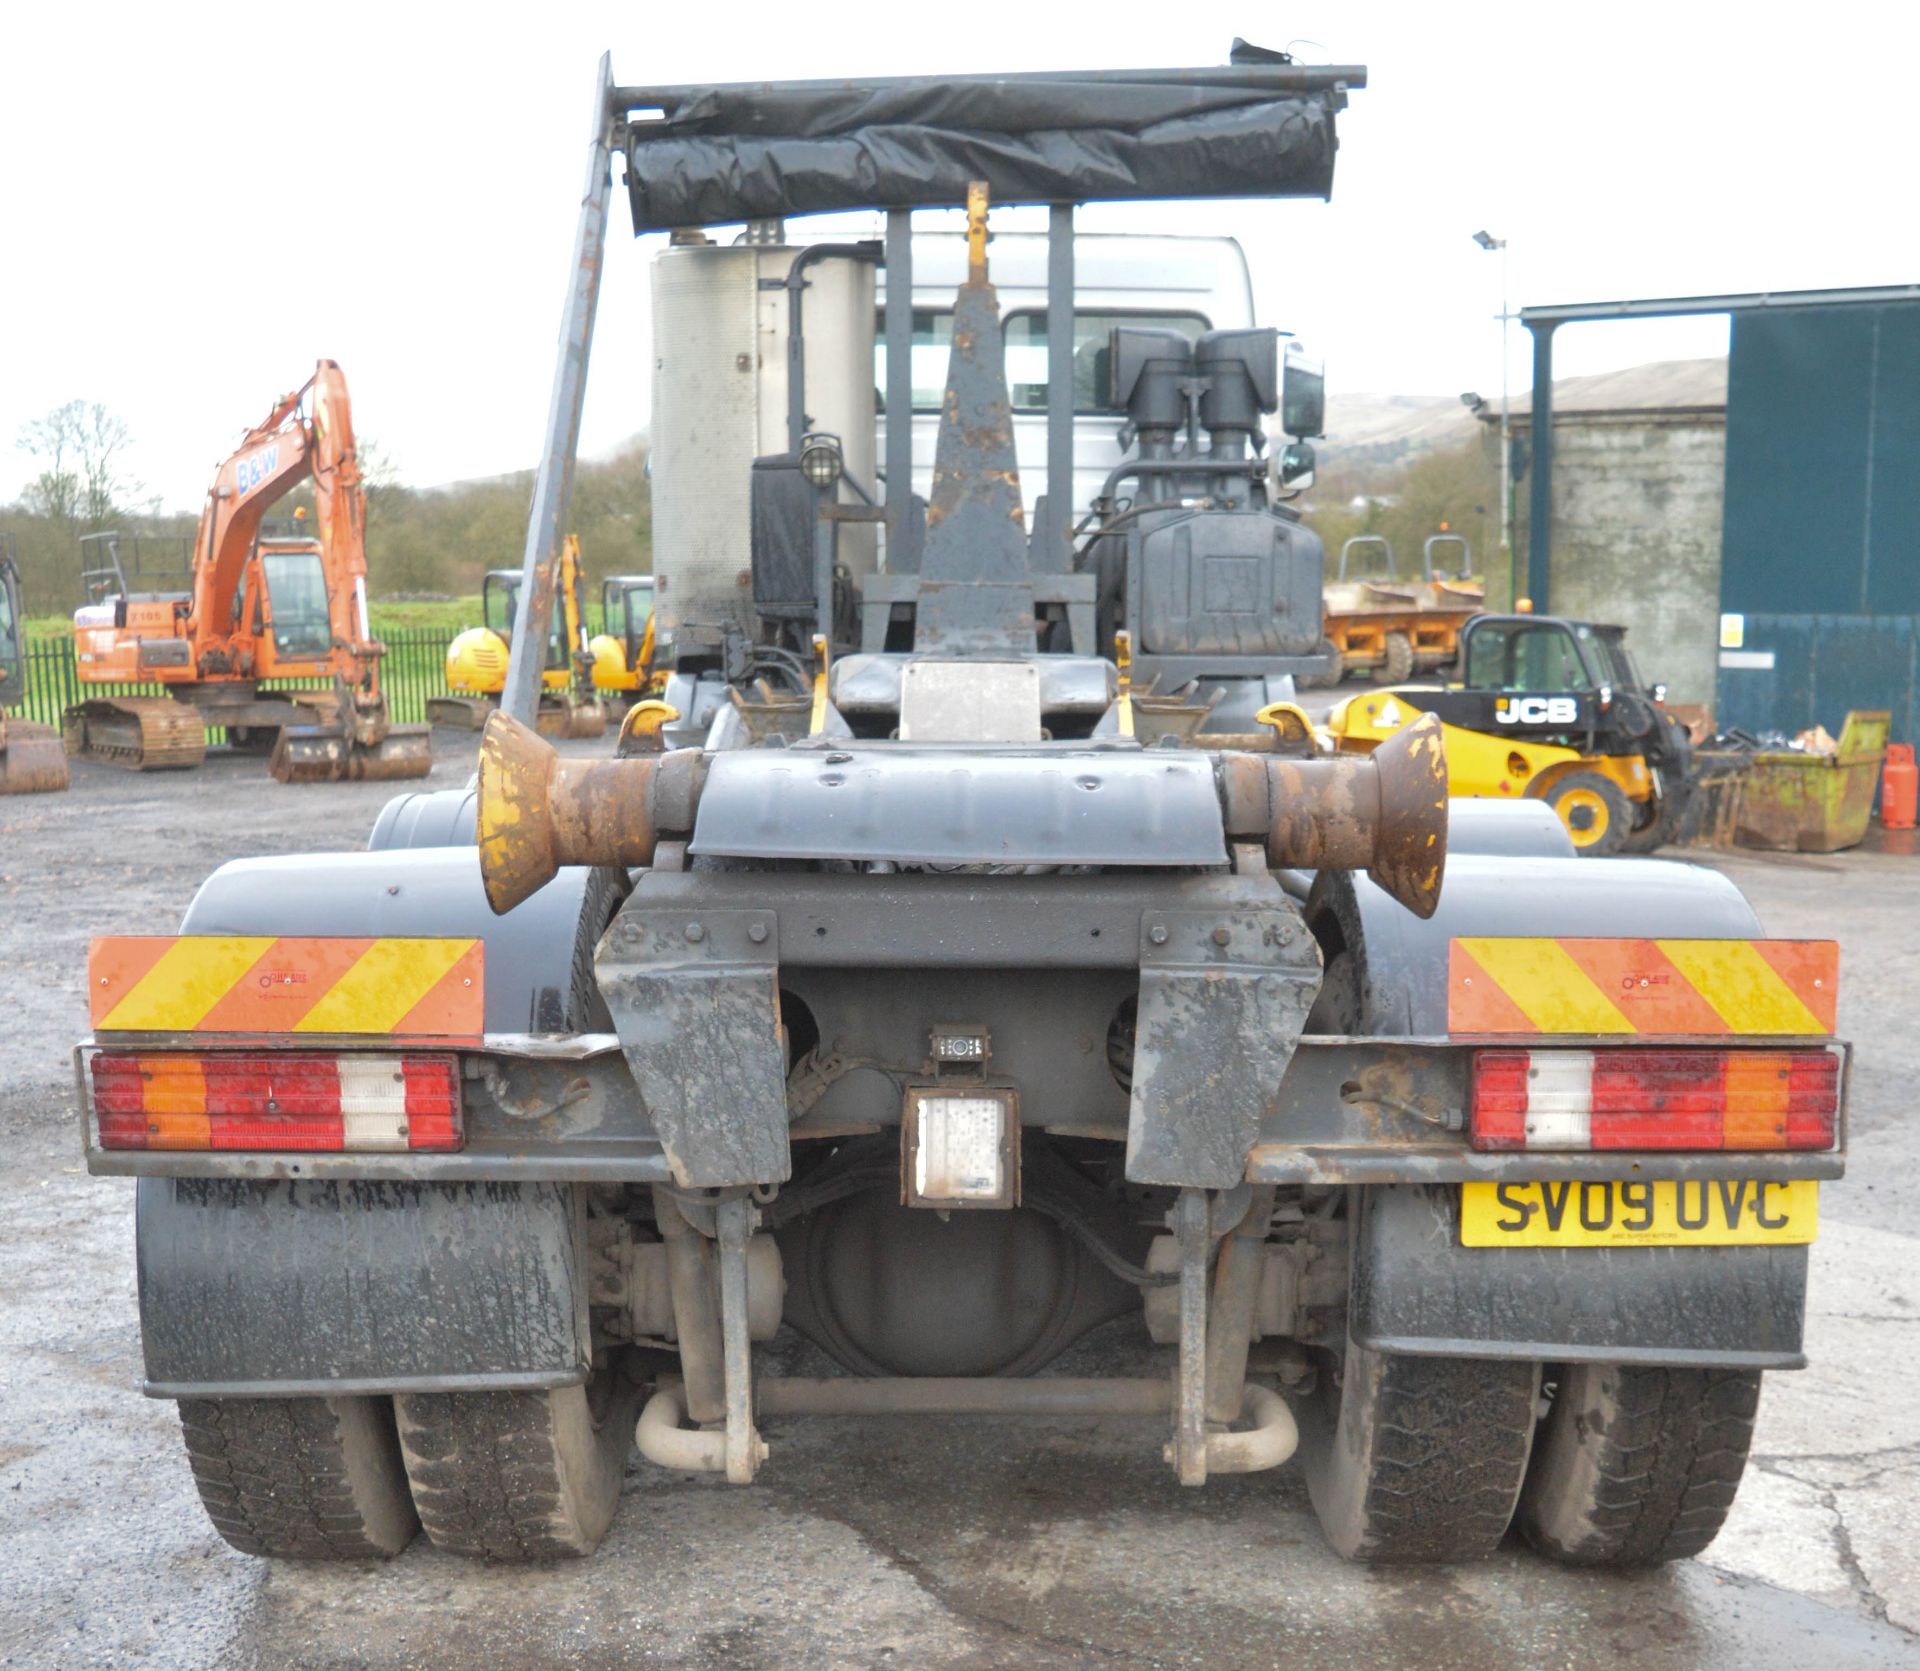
<point>1408,1459</point>
<point>1428,1459</point>
<point>512,1476</point>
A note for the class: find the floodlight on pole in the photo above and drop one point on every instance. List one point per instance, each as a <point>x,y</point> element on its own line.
<point>1489,243</point>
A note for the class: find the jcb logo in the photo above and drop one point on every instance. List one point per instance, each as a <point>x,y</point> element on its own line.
<point>1537,710</point>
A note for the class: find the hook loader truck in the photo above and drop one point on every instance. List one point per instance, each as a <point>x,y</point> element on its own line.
<point>920,984</point>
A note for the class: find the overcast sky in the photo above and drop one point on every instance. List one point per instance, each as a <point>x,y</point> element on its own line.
<point>198,201</point>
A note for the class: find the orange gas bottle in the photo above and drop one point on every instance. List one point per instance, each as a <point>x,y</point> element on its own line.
<point>1899,788</point>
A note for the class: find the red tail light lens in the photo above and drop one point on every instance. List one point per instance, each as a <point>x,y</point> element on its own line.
<point>1655,1099</point>
<point>284,1101</point>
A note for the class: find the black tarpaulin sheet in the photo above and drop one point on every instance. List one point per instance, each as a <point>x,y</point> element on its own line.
<point>741,153</point>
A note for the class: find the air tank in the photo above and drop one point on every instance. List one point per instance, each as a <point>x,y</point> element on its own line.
<point>720,335</point>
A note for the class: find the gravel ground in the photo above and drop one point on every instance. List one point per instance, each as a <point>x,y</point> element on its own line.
<point>907,1542</point>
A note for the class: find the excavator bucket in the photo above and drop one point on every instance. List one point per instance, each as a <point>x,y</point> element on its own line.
<point>327,754</point>
<point>32,758</point>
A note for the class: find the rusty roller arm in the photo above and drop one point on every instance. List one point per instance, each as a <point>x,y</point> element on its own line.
<point>538,811</point>
<point>1384,813</point>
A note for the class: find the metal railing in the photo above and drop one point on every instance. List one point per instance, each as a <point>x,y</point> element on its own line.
<point>414,669</point>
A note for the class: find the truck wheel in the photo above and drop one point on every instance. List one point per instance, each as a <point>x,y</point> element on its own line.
<point>1638,1465</point>
<point>309,1479</point>
<point>1398,667</point>
<point>1594,811</point>
<point>1419,1459</point>
<point>519,1476</point>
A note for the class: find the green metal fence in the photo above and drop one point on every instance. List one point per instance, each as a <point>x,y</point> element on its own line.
<point>415,669</point>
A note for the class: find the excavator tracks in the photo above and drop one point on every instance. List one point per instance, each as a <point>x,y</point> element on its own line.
<point>141,733</point>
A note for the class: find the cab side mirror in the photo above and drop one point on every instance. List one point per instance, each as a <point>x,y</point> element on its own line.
<point>1303,394</point>
<point>1295,466</point>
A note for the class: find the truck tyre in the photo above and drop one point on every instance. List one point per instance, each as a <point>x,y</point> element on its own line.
<point>309,1479</point>
<point>1596,814</point>
<point>1419,1459</point>
<point>1636,1466</point>
<point>1397,669</point>
<point>519,1476</point>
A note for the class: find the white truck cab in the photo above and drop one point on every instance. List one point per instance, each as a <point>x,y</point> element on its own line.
<point>1188,284</point>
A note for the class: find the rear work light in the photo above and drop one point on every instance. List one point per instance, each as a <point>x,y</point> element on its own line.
<point>337,1103</point>
<point>1655,1099</point>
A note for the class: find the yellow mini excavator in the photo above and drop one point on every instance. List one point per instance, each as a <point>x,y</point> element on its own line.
<point>477,659</point>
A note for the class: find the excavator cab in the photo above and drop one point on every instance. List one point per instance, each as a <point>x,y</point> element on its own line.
<point>31,757</point>
<point>500,605</point>
<point>623,652</point>
<point>294,585</point>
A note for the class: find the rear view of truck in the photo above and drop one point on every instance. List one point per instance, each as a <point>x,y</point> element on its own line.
<point>921,985</point>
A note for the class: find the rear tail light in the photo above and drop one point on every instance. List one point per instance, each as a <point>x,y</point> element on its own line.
<point>1655,1099</point>
<point>280,1101</point>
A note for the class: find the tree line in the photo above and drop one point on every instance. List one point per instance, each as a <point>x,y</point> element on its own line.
<point>438,542</point>
<point>421,542</point>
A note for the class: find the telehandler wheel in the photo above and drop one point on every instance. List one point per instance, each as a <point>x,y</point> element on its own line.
<point>1635,1466</point>
<point>1419,1459</point>
<point>520,1476</point>
<point>1596,814</point>
<point>309,1479</point>
<point>1397,669</point>
<point>1661,828</point>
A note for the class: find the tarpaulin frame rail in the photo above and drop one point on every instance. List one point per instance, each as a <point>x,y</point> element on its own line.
<point>1261,78</point>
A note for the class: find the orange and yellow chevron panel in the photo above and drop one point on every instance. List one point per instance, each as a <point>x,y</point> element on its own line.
<point>1649,988</point>
<point>404,989</point>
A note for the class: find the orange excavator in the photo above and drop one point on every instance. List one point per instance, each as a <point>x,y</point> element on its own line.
<point>257,608</point>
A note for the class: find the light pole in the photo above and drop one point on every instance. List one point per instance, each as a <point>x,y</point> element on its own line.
<point>1488,242</point>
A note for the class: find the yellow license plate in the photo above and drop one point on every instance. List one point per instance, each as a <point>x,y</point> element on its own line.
<point>1693,1212</point>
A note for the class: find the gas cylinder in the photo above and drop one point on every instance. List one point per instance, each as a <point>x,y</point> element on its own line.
<point>1899,788</point>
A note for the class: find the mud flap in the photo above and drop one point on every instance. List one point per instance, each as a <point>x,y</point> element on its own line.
<point>1416,1290</point>
<point>283,1289</point>
<point>1223,997</point>
<point>695,1000</point>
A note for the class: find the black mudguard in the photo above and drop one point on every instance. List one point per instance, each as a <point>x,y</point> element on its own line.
<point>539,956</point>
<point>1389,968</point>
<point>1416,1290</point>
<point>283,1289</point>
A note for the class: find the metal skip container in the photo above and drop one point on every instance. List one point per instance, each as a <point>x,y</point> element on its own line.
<point>1793,800</point>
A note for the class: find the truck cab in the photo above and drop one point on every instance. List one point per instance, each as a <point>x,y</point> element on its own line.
<point>1167,281</point>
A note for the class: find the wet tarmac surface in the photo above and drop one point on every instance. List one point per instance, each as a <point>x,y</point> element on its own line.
<point>896,1541</point>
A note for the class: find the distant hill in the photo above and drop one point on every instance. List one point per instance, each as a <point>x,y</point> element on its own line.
<point>1380,429</point>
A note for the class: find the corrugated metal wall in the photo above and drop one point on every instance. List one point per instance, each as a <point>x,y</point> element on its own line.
<point>1821,549</point>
